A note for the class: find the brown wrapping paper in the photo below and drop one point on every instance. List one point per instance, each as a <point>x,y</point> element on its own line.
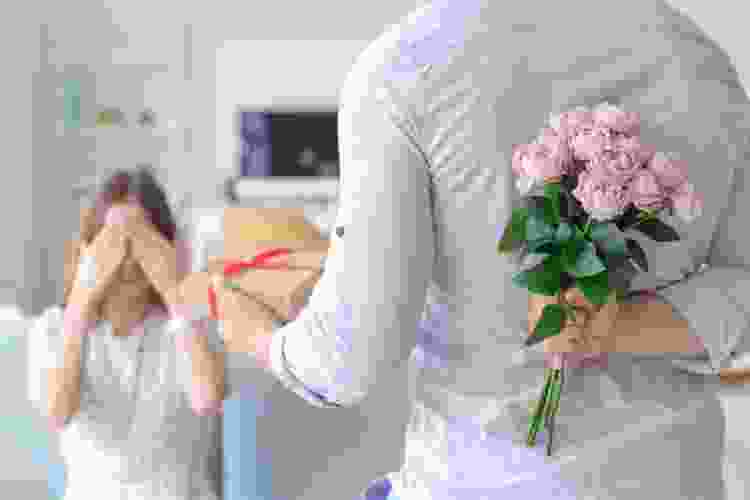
<point>628,340</point>
<point>248,231</point>
<point>285,291</point>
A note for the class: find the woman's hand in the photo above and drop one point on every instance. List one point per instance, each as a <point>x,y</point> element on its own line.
<point>98,267</point>
<point>156,255</point>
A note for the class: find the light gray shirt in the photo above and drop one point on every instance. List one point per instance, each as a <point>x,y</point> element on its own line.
<point>428,118</point>
<point>135,436</point>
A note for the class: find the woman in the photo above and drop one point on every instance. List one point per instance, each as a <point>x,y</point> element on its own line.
<point>116,377</point>
<point>428,118</point>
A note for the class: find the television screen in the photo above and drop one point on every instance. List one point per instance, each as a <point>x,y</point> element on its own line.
<point>288,143</point>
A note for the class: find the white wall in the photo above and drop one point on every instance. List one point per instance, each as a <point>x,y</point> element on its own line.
<point>293,31</point>
<point>19,53</point>
<point>271,77</point>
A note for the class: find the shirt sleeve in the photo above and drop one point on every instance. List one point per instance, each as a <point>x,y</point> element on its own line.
<point>362,317</point>
<point>713,299</point>
<point>45,351</point>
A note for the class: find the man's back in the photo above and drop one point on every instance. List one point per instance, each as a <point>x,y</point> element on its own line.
<point>467,80</point>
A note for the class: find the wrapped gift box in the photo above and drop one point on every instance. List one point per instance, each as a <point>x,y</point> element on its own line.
<point>285,289</point>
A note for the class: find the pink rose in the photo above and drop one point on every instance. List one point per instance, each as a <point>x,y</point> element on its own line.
<point>615,164</point>
<point>519,151</point>
<point>524,183</point>
<point>632,146</point>
<point>587,144</point>
<point>602,196</point>
<point>670,173</point>
<point>646,192</point>
<point>614,118</point>
<point>687,203</point>
<point>557,145</point>
<point>537,161</point>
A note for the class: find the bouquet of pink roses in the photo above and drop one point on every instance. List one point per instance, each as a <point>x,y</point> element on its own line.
<point>586,180</point>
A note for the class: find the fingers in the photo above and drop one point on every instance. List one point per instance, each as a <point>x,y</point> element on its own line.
<point>604,320</point>
<point>217,281</point>
<point>576,297</point>
<point>117,215</point>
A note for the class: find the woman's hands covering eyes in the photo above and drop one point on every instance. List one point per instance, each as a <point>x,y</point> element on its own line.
<point>156,256</point>
<point>98,266</point>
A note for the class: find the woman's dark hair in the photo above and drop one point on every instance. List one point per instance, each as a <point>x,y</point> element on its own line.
<point>137,185</point>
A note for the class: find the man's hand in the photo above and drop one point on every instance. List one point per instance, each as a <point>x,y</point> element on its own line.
<point>248,323</point>
<point>591,330</point>
<point>600,324</point>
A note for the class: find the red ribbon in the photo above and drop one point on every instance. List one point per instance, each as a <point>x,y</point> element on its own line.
<point>260,260</point>
<point>237,266</point>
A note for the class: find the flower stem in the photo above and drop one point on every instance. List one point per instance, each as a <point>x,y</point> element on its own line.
<point>538,414</point>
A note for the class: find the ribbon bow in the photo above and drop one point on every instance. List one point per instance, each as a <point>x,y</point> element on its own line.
<point>235,267</point>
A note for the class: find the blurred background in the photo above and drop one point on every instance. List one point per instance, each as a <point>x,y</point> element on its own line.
<point>233,103</point>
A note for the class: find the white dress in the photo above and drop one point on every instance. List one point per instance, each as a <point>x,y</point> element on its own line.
<point>135,436</point>
<point>428,118</point>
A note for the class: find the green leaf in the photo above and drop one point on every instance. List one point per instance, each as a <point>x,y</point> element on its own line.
<point>587,263</point>
<point>543,279</point>
<point>549,325</point>
<point>515,232</point>
<point>537,228</point>
<point>599,231</point>
<point>565,232</point>
<point>637,253</point>
<point>657,230</point>
<point>541,207</point>
<point>580,235</point>
<point>546,247</point>
<point>569,253</point>
<point>538,232</point>
<point>595,288</point>
<point>552,191</point>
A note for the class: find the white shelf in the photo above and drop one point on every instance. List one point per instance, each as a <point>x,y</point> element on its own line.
<point>298,188</point>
